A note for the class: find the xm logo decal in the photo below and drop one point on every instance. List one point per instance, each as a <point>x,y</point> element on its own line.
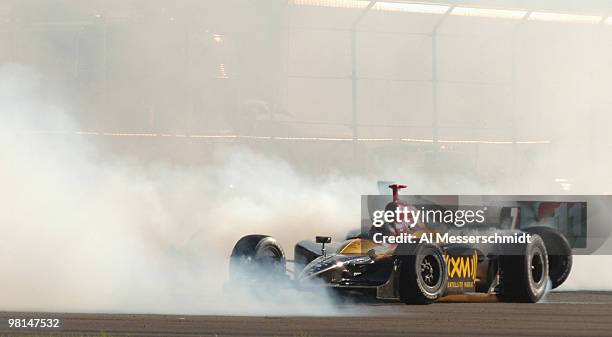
<point>461,270</point>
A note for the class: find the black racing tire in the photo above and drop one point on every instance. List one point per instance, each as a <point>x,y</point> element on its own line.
<point>423,274</point>
<point>257,258</point>
<point>559,253</point>
<point>525,276</point>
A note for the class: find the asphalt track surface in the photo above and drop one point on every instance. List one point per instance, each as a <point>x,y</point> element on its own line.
<point>562,314</point>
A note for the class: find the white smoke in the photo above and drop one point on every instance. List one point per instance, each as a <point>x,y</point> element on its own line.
<point>589,272</point>
<point>86,231</point>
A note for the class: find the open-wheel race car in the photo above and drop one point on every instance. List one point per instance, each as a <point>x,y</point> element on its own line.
<point>414,273</point>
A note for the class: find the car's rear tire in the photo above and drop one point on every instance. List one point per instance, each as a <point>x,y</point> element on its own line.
<point>423,274</point>
<point>257,258</point>
<point>525,276</point>
<point>559,254</point>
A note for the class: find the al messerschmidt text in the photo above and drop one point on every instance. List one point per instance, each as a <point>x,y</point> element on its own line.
<point>447,238</point>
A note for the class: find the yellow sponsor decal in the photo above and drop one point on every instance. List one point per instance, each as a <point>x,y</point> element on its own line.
<point>462,267</point>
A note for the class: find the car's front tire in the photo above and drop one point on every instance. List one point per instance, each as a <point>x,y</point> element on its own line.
<point>257,258</point>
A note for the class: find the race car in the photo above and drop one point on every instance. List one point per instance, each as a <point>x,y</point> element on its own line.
<point>414,273</point>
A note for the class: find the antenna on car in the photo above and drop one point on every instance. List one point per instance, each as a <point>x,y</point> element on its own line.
<point>323,240</point>
<point>396,188</point>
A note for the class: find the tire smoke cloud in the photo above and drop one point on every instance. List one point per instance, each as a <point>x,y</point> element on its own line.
<point>96,226</point>
<point>86,231</point>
